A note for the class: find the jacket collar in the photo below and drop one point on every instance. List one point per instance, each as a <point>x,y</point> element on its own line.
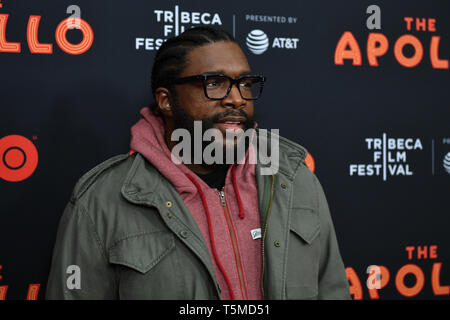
<point>143,179</point>
<point>291,155</point>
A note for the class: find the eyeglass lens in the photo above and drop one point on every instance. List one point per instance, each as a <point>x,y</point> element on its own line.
<point>217,87</point>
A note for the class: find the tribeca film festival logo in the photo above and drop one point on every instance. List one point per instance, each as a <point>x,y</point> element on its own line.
<point>389,157</point>
<point>378,44</point>
<point>74,21</point>
<point>18,158</point>
<point>176,22</point>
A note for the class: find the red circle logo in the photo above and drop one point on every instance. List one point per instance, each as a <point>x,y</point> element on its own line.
<point>18,158</point>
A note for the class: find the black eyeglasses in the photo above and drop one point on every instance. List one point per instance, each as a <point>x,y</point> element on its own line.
<point>218,86</point>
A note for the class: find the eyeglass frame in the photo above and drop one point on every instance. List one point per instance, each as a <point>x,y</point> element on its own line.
<point>232,80</point>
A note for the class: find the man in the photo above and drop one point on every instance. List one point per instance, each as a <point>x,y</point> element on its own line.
<point>142,226</point>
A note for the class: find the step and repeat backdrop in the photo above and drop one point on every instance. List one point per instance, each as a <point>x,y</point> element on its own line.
<point>362,85</point>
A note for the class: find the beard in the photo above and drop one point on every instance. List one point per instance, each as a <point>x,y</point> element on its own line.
<point>183,120</point>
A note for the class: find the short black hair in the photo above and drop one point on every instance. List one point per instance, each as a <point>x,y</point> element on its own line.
<point>170,59</point>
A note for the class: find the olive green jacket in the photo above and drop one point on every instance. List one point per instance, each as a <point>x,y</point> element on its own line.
<point>127,234</point>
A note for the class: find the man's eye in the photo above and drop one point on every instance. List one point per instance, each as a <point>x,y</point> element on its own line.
<point>246,84</point>
<point>216,83</point>
<point>212,84</point>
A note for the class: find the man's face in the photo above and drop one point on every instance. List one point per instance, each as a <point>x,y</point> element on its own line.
<point>191,104</point>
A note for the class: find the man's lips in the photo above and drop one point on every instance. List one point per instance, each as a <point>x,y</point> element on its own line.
<point>229,126</point>
<point>232,123</point>
<point>231,119</point>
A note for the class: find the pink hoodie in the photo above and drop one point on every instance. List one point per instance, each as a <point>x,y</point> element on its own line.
<point>204,203</point>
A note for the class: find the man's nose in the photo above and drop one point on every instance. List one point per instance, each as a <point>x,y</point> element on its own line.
<point>234,98</point>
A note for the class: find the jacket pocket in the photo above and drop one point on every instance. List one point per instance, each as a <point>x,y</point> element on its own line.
<point>301,292</point>
<point>305,223</point>
<point>303,255</point>
<point>146,266</point>
<point>143,251</point>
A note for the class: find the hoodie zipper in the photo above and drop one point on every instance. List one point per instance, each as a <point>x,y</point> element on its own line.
<point>235,245</point>
<point>269,207</point>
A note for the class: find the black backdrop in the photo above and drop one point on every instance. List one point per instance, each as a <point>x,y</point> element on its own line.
<point>77,110</point>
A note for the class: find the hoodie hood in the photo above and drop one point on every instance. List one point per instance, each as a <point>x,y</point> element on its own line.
<point>148,138</point>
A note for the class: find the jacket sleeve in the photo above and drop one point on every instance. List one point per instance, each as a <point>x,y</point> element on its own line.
<point>333,283</point>
<point>79,268</point>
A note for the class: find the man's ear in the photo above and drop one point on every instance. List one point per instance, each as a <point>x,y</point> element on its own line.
<point>162,97</point>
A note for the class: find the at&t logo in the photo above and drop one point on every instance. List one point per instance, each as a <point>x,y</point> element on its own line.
<point>258,42</point>
<point>18,158</point>
<point>446,162</point>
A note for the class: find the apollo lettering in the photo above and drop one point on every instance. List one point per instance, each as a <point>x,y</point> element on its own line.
<point>47,48</point>
<point>32,293</point>
<point>379,276</point>
<point>33,289</point>
<point>377,46</point>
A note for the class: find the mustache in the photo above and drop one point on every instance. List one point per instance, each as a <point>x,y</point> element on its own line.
<point>230,112</point>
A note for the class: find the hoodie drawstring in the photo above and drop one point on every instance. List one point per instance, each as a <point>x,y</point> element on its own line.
<point>208,215</point>
<point>211,236</point>
<point>236,190</point>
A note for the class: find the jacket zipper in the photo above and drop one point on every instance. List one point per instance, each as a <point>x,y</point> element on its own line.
<point>269,207</point>
<point>235,245</point>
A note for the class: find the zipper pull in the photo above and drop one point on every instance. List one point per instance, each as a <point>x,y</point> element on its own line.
<point>222,197</point>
